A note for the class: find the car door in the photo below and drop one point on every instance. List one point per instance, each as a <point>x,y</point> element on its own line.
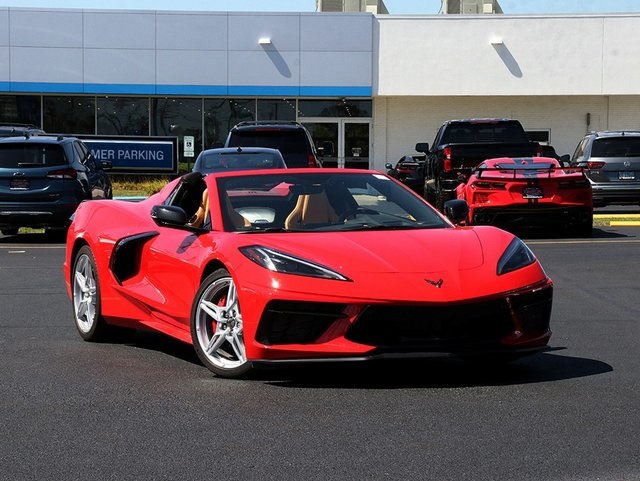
<point>168,270</point>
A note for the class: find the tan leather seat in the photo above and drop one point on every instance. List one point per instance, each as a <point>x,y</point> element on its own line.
<point>237,220</point>
<point>197,220</point>
<point>311,209</point>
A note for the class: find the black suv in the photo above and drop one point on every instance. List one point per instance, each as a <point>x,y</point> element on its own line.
<point>292,139</point>
<point>612,164</point>
<point>43,178</point>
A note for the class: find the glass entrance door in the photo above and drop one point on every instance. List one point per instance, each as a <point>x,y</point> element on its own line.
<point>341,142</point>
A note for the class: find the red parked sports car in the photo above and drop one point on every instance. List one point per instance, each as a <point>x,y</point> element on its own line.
<point>529,192</point>
<point>303,264</point>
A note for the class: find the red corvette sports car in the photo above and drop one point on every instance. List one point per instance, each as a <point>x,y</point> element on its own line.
<point>529,192</point>
<point>303,264</point>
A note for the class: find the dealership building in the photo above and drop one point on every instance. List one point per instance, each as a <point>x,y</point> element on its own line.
<point>369,83</point>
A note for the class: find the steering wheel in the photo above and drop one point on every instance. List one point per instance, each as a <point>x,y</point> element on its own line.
<point>354,212</point>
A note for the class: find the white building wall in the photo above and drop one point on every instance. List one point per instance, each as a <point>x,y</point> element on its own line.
<point>550,55</point>
<point>401,122</point>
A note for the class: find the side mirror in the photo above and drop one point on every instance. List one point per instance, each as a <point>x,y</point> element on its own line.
<point>388,166</point>
<point>169,215</point>
<point>105,164</point>
<point>422,147</point>
<point>173,216</point>
<point>456,210</point>
<point>565,160</point>
<point>327,148</point>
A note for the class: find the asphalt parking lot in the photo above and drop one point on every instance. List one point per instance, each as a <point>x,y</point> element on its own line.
<point>146,408</point>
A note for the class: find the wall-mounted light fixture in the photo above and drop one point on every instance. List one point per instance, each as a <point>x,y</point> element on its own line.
<point>264,41</point>
<point>496,41</point>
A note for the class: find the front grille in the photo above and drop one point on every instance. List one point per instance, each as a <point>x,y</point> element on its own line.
<point>436,327</point>
<point>294,322</point>
<point>443,327</point>
<point>453,327</point>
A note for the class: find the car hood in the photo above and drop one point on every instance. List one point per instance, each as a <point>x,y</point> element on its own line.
<point>420,250</point>
<point>435,265</point>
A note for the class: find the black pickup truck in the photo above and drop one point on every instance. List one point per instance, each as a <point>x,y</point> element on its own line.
<point>460,145</point>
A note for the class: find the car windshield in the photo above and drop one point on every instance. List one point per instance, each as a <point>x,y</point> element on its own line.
<point>31,155</point>
<point>474,132</point>
<point>216,161</point>
<point>292,144</point>
<point>331,201</point>
<point>616,147</point>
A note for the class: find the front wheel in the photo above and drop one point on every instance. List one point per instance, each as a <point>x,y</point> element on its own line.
<point>216,326</point>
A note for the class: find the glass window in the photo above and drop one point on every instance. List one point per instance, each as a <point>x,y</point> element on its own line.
<point>276,109</point>
<point>20,109</point>
<point>123,116</point>
<point>616,147</point>
<point>31,155</point>
<point>222,114</point>
<point>69,115</point>
<point>177,117</point>
<point>334,108</point>
<point>541,136</point>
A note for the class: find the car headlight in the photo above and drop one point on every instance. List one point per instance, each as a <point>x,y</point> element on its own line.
<point>516,256</point>
<point>277,261</point>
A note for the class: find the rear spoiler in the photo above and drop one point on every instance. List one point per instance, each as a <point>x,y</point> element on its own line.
<point>532,172</point>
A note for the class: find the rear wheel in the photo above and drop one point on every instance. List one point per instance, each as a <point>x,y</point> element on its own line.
<point>429,193</point>
<point>85,291</point>
<point>584,228</point>
<point>216,326</point>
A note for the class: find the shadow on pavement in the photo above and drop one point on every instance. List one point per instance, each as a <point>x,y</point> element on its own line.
<point>398,374</point>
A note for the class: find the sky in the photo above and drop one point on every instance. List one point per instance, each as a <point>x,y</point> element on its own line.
<point>422,7</point>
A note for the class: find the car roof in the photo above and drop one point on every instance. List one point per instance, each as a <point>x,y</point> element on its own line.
<point>271,124</point>
<point>19,128</point>
<point>240,150</point>
<point>480,120</point>
<point>615,133</point>
<point>37,139</point>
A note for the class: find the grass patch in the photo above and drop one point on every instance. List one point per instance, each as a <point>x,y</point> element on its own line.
<point>137,186</point>
<point>605,221</point>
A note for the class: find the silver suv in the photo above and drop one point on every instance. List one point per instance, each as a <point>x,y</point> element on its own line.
<point>612,164</point>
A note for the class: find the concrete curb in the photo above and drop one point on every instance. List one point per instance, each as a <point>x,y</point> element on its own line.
<point>619,220</point>
<point>132,198</point>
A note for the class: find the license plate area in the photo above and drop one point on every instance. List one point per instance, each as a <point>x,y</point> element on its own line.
<point>626,175</point>
<point>19,184</point>
<point>532,193</point>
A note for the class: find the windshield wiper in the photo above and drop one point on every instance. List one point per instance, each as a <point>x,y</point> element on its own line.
<point>267,230</point>
<point>352,227</point>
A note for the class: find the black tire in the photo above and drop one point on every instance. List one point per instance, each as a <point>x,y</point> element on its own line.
<point>85,294</point>
<point>10,231</point>
<point>429,196</point>
<point>56,234</point>
<point>216,327</point>
<point>583,228</point>
<point>441,198</point>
